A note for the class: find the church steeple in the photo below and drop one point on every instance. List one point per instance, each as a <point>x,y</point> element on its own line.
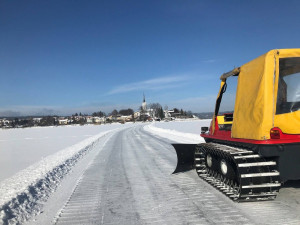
<point>144,104</point>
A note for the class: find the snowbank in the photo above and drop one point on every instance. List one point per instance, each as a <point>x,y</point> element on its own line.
<point>22,194</point>
<point>184,126</point>
<point>172,130</point>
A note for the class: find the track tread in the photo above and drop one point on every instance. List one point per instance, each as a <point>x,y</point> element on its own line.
<point>240,188</point>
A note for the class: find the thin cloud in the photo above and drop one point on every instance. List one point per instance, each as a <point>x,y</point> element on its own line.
<point>152,84</point>
<point>209,61</point>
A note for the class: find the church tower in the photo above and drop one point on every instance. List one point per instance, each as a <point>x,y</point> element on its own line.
<point>144,104</point>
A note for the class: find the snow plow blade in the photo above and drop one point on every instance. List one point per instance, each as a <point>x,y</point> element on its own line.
<point>185,157</point>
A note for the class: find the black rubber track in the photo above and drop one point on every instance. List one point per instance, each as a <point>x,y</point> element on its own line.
<point>249,177</point>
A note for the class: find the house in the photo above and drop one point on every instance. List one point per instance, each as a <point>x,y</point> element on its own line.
<point>99,120</point>
<point>112,118</point>
<point>62,121</point>
<point>136,115</point>
<point>89,119</point>
<point>124,118</point>
<point>168,113</point>
<point>5,123</point>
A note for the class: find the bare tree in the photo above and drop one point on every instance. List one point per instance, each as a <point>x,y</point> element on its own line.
<point>156,108</point>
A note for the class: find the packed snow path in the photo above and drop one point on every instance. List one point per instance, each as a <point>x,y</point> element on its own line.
<point>129,182</point>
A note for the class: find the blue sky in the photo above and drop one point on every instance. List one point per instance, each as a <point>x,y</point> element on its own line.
<point>84,56</point>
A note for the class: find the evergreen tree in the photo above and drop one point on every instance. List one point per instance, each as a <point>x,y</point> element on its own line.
<point>161,113</point>
<point>176,110</point>
<point>114,112</point>
<point>126,112</point>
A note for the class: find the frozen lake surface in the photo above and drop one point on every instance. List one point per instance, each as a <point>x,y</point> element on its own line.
<point>20,148</point>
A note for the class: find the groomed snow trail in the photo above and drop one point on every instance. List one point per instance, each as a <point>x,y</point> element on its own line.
<point>129,181</point>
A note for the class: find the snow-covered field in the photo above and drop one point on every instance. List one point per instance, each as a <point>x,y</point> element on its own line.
<point>20,148</point>
<point>179,131</point>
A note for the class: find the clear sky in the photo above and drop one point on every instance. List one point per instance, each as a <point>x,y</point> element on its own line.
<point>84,56</point>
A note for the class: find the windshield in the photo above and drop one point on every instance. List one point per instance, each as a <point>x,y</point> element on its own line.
<point>288,97</point>
<point>228,98</point>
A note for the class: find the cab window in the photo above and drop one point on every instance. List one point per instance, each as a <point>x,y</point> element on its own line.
<point>288,95</point>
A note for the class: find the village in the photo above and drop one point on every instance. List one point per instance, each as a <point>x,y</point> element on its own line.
<point>145,113</point>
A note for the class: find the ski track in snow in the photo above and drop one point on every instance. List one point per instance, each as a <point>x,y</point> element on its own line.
<point>22,195</point>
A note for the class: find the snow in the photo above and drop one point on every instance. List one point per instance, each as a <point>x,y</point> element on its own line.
<point>184,126</point>
<point>21,192</point>
<point>33,161</point>
<point>20,148</point>
<point>179,131</point>
<point>137,164</point>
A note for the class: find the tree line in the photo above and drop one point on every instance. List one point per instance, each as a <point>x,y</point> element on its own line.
<point>155,110</point>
